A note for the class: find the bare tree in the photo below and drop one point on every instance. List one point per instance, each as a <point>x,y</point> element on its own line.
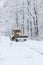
<point>36,32</point>
<point>23,18</point>
<point>16,13</point>
<point>16,18</point>
<point>28,26</point>
<point>29,16</point>
<point>31,27</point>
<point>35,18</point>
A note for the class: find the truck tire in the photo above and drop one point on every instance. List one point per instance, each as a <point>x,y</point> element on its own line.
<point>16,40</point>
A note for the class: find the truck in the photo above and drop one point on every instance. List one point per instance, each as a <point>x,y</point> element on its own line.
<point>17,36</point>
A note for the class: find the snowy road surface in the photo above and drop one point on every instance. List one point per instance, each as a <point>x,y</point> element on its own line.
<point>20,53</point>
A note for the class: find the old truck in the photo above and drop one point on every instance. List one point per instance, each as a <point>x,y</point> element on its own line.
<point>17,36</point>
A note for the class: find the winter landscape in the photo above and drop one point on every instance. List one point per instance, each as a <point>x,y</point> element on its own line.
<point>21,32</point>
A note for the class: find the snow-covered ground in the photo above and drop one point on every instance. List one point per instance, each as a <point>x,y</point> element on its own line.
<point>20,53</point>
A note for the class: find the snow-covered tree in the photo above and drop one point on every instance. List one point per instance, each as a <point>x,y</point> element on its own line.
<point>16,18</point>
<point>35,19</point>
<point>23,18</point>
<point>29,17</point>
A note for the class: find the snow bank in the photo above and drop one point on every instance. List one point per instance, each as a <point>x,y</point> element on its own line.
<point>20,53</point>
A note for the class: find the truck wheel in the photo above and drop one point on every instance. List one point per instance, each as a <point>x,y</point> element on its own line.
<point>24,39</point>
<point>16,40</point>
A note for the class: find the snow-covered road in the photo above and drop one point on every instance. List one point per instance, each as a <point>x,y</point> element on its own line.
<point>20,53</point>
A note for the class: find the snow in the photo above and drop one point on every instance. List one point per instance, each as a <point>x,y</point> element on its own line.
<point>29,52</point>
<point>2,2</point>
